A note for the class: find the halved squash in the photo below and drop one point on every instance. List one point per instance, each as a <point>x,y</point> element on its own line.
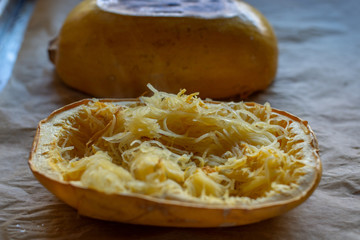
<point>114,48</point>
<point>175,160</point>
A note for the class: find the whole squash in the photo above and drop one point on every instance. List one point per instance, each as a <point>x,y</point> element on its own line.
<point>221,49</point>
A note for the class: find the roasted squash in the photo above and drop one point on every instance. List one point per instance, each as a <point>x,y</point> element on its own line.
<point>222,49</point>
<point>175,160</point>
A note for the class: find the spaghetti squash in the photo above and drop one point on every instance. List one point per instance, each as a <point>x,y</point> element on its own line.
<point>176,160</point>
<point>114,48</point>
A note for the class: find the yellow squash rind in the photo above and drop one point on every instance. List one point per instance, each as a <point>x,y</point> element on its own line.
<point>107,54</point>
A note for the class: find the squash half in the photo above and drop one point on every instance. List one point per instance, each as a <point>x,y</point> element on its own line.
<point>219,51</point>
<point>175,160</point>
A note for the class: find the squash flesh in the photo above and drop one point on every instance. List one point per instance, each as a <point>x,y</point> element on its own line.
<point>180,148</point>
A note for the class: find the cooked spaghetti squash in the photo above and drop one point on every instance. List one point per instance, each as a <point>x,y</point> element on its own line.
<point>178,150</point>
<point>221,48</point>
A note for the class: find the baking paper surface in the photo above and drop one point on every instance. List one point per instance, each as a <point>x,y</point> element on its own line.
<point>318,80</point>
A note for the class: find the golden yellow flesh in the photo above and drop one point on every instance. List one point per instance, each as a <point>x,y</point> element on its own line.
<point>179,147</point>
<point>174,160</point>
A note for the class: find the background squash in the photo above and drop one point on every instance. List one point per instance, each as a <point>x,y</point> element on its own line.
<point>220,52</point>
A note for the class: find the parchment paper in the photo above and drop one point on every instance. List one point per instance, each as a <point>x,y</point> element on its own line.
<point>318,80</point>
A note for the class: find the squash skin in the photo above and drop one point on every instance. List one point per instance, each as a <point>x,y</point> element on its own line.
<point>111,55</point>
<point>146,210</point>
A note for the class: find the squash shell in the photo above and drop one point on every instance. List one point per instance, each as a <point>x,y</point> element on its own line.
<point>141,209</point>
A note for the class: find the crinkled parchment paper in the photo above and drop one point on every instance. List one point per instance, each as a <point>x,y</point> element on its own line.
<point>318,80</point>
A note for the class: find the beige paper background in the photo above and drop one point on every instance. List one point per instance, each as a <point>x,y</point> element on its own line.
<point>318,80</point>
